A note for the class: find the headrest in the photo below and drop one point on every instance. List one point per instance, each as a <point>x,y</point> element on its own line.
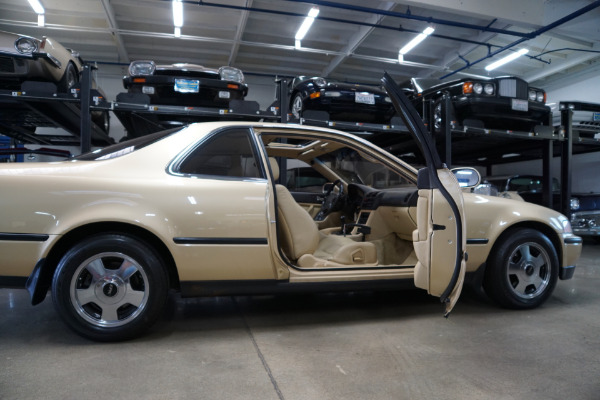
<point>274,168</point>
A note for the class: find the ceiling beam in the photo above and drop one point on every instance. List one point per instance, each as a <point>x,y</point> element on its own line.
<point>357,38</point>
<point>114,27</point>
<point>238,35</point>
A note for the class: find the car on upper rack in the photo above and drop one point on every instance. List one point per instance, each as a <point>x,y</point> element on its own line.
<point>585,207</point>
<point>186,84</point>
<point>205,210</point>
<point>26,58</point>
<point>339,100</point>
<point>504,103</point>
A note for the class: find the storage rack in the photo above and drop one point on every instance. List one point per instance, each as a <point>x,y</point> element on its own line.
<point>38,105</point>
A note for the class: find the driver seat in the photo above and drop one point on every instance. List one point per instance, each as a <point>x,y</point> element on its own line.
<point>304,245</point>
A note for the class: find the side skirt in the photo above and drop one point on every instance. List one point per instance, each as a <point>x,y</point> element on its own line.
<point>262,287</point>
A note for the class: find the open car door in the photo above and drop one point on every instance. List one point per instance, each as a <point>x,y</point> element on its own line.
<point>439,239</point>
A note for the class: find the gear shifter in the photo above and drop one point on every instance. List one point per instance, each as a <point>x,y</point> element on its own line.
<point>343,219</point>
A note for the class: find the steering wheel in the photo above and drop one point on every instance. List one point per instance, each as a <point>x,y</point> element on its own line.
<point>332,200</point>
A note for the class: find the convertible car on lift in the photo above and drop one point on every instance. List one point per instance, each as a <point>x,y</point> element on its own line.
<point>505,103</point>
<point>340,100</point>
<point>186,84</point>
<point>204,210</point>
<point>25,58</point>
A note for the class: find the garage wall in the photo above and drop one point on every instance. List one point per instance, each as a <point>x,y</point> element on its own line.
<point>585,166</point>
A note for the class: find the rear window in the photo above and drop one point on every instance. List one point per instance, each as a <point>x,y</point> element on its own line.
<point>129,146</point>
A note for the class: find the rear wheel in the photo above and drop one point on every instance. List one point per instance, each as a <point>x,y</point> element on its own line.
<point>523,270</point>
<point>110,287</point>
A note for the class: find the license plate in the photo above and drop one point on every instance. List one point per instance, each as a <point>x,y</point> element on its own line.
<point>364,98</point>
<point>520,105</point>
<point>187,86</point>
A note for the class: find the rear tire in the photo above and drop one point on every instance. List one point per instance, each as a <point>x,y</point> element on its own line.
<point>297,106</point>
<point>110,287</point>
<point>523,270</point>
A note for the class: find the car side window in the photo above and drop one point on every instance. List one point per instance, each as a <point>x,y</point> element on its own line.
<point>227,154</point>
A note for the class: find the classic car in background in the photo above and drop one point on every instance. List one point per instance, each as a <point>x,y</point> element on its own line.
<point>585,207</point>
<point>200,209</point>
<point>186,84</point>
<point>25,58</point>
<point>506,103</point>
<point>341,100</point>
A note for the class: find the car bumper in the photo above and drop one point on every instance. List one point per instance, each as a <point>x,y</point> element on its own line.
<point>211,92</point>
<point>571,252</point>
<point>586,223</point>
<point>498,113</point>
<point>345,107</point>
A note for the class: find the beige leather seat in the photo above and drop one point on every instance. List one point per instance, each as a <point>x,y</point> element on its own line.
<point>303,244</point>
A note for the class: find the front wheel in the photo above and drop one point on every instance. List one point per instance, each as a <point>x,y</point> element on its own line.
<point>297,106</point>
<point>523,270</point>
<point>110,287</point>
<point>69,79</point>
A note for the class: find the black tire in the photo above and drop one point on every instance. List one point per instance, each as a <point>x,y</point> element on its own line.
<point>103,121</point>
<point>110,287</point>
<point>523,270</point>
<point>297,105</point>
<point>69,79</point>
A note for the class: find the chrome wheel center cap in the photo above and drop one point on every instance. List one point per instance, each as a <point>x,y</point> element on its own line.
<point>110,290</point>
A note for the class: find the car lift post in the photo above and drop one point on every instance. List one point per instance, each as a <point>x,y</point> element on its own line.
<point>547,193</point>
<point>566,121</point>
<point>86,118</point>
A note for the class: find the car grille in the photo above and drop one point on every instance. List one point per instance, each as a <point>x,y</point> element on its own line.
<point>190,74</point>
<point>515,88</point>
<point>7,65</point>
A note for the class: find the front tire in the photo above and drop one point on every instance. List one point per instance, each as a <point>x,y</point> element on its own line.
<point>297,106</point>
<point>110,287</point>
<point>523,270</point>
<point>69,79</point>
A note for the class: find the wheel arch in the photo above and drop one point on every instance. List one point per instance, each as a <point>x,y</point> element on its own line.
<point>41,284</point>
<point>538,226</point>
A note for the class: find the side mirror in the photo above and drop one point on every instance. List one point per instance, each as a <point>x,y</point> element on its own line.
<point>467,177</point>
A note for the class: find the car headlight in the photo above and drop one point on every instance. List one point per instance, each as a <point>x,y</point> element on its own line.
<point>489,88</point>
<point>137,68</point>
<point>541,97</point>
<point>532,95</point>
<point>231,74</point>
<point>574,203</point>
<point>25,45</point>
<point>478,88</point>
<point>321,82</point>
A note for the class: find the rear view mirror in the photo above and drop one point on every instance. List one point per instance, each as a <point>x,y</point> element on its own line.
<point>467,177</point>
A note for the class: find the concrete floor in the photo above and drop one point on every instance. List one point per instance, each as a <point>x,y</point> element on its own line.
<point>338,346</point>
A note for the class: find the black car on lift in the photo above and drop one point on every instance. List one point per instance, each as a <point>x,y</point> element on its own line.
<point>342,101</point>
<point>504,103</point>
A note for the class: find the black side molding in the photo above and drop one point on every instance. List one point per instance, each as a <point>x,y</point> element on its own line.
<point>23,237</point>
<point>223,241</point>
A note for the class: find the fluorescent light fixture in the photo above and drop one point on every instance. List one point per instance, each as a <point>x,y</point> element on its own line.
<point>177,31</point>
<point>41,20</point>
<point>418,39</point>
<point>177,13</point>
<point>506,59</point>
<point>310,18</point>
<point>298,44</point>
<point>37,6</point>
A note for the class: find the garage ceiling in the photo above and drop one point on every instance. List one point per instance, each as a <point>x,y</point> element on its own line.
<point>348,41</point>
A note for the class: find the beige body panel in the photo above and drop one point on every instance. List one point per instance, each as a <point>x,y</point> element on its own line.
<point>135,189</point>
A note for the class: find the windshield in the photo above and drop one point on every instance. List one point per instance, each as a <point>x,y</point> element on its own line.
<point>129,146</point>
<point>354,167</point>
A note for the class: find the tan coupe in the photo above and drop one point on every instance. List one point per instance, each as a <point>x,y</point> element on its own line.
<point>205,210</point>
